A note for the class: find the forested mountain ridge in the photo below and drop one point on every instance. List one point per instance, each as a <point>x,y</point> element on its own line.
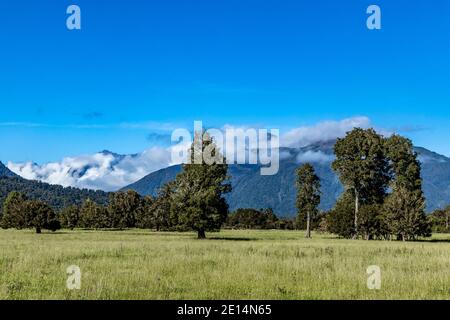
<point>56,196</point>
<point>5,172</point>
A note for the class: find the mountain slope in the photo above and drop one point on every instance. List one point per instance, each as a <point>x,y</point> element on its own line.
<point>251,190</point>
<point>57,196</point>
<point>5,172</point>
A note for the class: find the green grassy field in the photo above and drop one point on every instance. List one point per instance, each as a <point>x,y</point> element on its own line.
<point>138,264</point>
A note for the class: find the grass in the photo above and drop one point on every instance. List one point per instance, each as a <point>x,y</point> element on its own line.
<point>137,264</point>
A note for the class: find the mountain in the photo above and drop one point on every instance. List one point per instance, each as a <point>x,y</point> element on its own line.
<point>56,195</point>
<point>5,172</point>
<point>104,170</point>
<point>252,190</point>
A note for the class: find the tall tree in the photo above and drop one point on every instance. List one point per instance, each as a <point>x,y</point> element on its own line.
<point>308,195</point>
<point>163,217</point>
<point>40,215</point>
<point>341,219</point>
<point>14,213</point>
<point>93,215</point>
<point>404,214</point>
<point>198,196</point>
<point>123,208</point>
<point>362,167</point>
<point>440,220</point>
<point>404,209</point>
<point>69,217</point>
<point>144,215</point>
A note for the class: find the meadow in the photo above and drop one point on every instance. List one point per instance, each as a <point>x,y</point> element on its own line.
<point>231,264</point>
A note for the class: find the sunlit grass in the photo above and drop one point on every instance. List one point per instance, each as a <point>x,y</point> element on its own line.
<point>136,264</point>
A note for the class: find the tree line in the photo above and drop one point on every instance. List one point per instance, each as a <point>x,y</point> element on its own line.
<point>193,201</point>
<point>383,198</point>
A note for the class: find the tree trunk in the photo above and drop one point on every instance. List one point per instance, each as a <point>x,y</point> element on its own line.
<point>356,214</point>
<point>308,225</point>
<point>201,234</point>
<point>38,229</point>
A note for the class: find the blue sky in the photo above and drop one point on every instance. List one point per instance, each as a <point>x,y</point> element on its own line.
<point>138,68</point>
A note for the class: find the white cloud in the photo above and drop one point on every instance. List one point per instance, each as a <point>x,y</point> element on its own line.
<point>323,131</point>
<point>110,172</point>
<point>104,171</point>
<point>314,156</point>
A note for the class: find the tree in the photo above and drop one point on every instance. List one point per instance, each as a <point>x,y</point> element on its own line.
<point>404,209</point>
<point>248,218</point>
<point>93,215</point>
<point>21,213</point>
<point>14,213</point>
<point>40,215</point>
<point>371,222</point>
<point>406,166</point>
<point>163,216</point>
<point>362,167</point>
<point>404,214</point>
<point>340,219</point>
<point>123,208</point>
<point>144,216</point>
<point>69,217</point>
<point>198,199</point>
<point>308,195</point>
<point>440,220</point>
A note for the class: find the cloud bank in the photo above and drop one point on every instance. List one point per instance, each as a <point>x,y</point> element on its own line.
<point>108,171</point>
<point>104,170</point>
<point>323,131</point>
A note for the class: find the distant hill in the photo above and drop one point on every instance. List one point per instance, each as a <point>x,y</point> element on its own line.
<point>251,190</point>
<point>5,172</point>
<point>57,196</point>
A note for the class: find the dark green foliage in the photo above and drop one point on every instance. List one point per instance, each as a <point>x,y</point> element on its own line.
<point>144,215</point>
<point>40,215</point>
<point>93,215</point>
<point>404,209</point>
<point>198,199</point>
<point>363,167</point>
<point>21,213</point>
<point>406,167</point>
<point>123,208</point>
<point>404,214</point>
<point>14,213</point>
<point>56,196</point>
<point>440,220</point>
<point>366,163</point>
<point>252,219</point>
<point>163,217</point>
<point>308,197</point>
<point>372,224</point>
<point>340,219</point>
<point>70,217</point>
